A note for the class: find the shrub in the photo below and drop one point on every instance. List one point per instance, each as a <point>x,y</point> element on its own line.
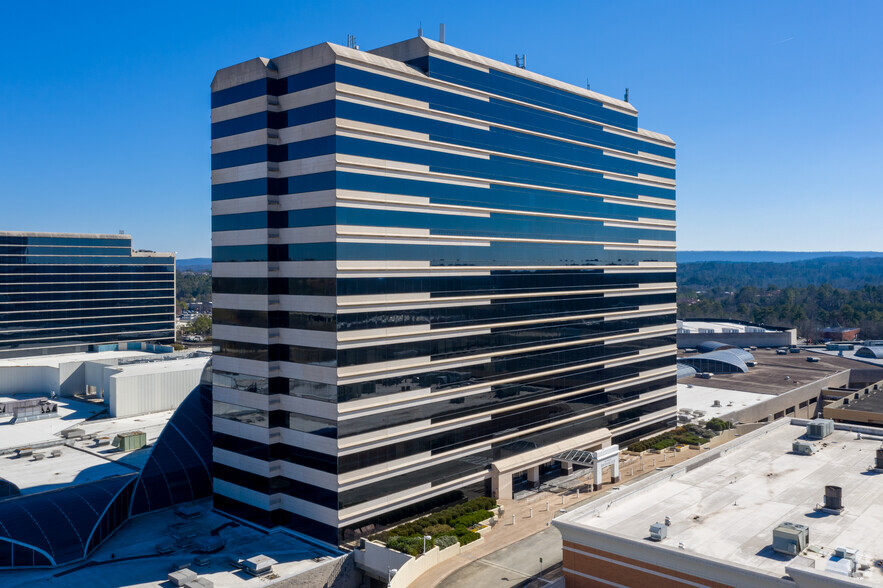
<point>468,537</point>
<point>436,530</point>
<point>421,524</point>
<point>689,435</point>
<point>410,545</point>
<point>717,424</point>
<point>663,443</point>
<point>485,503</point>
<point>445,541</point>
<point>472,518</point>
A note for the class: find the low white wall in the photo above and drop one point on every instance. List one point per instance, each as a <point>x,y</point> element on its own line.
<point>130,395</point>
<point>374,559</point>
<point>28,380</point>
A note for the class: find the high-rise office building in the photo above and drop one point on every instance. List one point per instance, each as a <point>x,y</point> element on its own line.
<point>67,293</point>
<point>432,273</point>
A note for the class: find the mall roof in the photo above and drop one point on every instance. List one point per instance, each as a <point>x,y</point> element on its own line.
<point>131,553</point>
<point>711,327</point>
<point>79,461</point>
<point>686,371</point>
<point>848,354</point>
<point>59,525</point>
<point>777,374</point>
<point>869,352</point>
<point>702,398</point>
<point>70,466</point>
<point>726,508</point>
<point>709,346</point>
<point>57,360</point>
<point>725,359</point>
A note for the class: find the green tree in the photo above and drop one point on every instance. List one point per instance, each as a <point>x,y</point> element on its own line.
<point>201,325</point>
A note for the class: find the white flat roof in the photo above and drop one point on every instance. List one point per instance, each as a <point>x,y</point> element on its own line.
<point>51,473</point>
<point>849,354</point>
<point>727,508</point>
<point>171,365</point>
<point>85,461</point>
<point>151,424</point>
<point>71,413</point>
<point>57,360</point>
<point>702,398</point>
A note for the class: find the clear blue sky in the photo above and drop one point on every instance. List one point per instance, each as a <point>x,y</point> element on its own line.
<point>775,106</point>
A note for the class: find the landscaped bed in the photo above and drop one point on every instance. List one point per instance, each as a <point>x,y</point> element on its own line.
<point>457,524</point>
<point>686,435</point>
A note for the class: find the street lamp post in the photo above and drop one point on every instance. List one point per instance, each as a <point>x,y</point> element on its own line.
<point>389,574</point>
<point>425,539</point>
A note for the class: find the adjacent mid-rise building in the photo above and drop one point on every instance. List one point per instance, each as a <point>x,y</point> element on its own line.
<point>432,274</point>
<point>68,293</point>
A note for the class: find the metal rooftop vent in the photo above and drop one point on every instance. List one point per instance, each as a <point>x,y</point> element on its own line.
<point>819,428</point>
<point>833,499</point>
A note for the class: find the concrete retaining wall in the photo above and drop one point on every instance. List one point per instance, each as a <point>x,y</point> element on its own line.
<point>783,404</point>
<point>375,559</point>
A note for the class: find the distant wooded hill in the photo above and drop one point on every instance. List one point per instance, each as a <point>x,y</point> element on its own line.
<point>196,264</point>
<point>773,256</point>
<point>839,272</point>
<point>807,294</point>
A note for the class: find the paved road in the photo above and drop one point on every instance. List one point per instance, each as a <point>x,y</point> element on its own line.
<point>511,565</point>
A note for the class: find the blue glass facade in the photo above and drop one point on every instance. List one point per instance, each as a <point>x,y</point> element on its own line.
<point>429,271</point>
<point>64,293</point>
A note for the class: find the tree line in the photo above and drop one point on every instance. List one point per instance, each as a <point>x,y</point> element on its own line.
<point>808,295</point>
<point>193,287</point>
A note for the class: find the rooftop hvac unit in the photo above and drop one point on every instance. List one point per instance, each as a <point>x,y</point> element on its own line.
<point>819,428</point>
<point>790,538</point>
<point>802,448</point>
<point>130,441</point>
<point>878,463</point>
<point>658,532</point>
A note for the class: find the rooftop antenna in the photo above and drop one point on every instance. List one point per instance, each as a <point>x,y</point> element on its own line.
<point>420,30</point>
<point>588,85</point>
<point>441,33</point>
<point>351,42</point>
<point>626,94</point>
<point>521,61</point>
